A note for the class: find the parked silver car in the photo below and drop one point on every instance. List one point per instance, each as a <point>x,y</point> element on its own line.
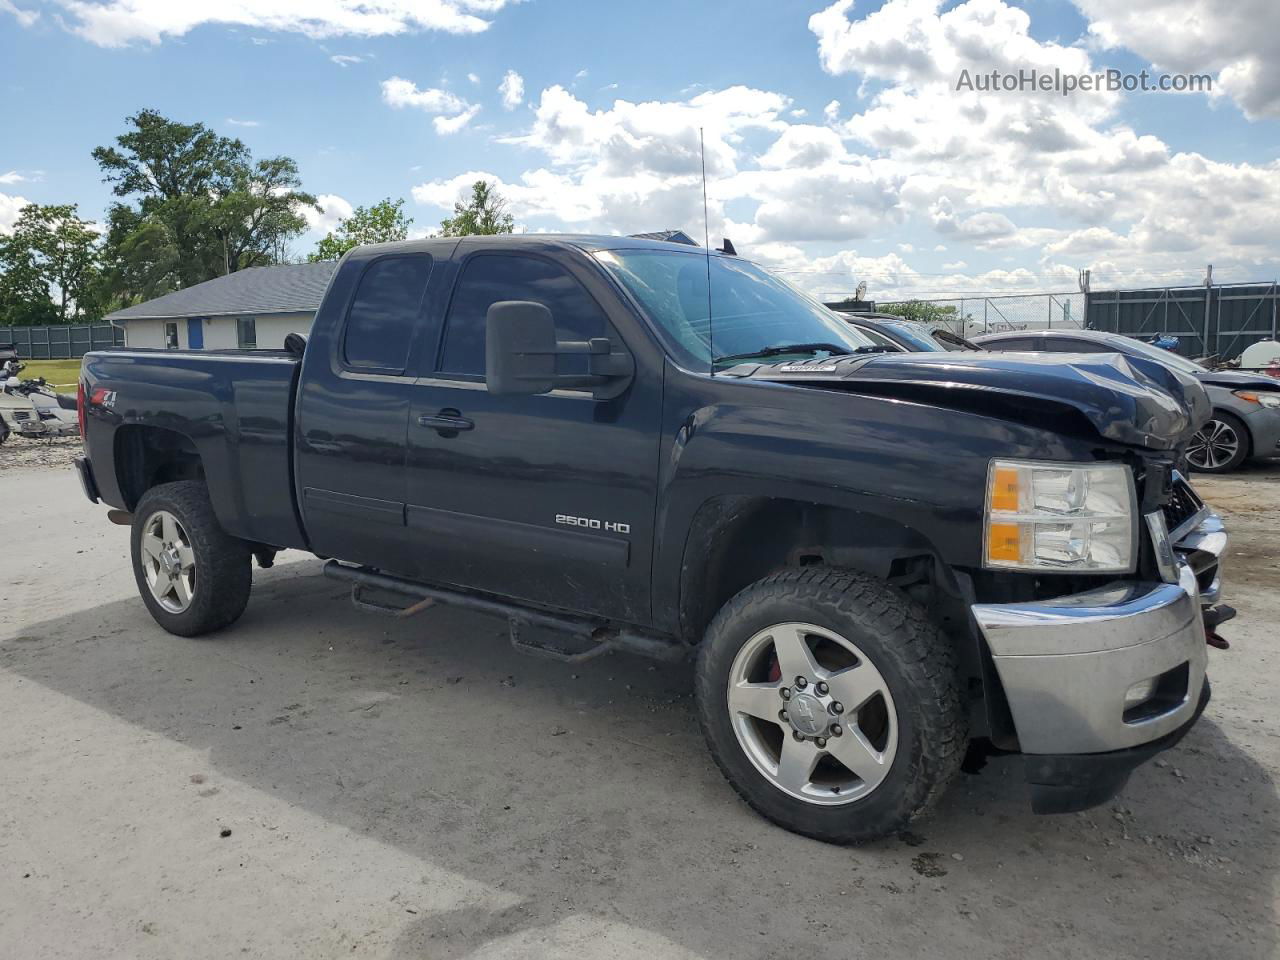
<point>1246,406</point>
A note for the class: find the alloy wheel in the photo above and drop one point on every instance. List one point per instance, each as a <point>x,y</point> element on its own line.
<point>168,561</point>
<point>812,713</point>
<point>1213,446</point>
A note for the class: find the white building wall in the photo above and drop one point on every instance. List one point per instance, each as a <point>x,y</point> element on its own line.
<point>220,332</point>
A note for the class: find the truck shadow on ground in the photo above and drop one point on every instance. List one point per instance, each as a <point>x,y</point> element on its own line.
<point>586,792</point>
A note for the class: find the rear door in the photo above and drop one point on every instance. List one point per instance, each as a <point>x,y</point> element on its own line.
<point>550,498</point>
<point>353,409</point>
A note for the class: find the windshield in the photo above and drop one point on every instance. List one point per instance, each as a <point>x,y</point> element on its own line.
<point>1167,357</point>
<point>754,314</point>
<point>918,336</point>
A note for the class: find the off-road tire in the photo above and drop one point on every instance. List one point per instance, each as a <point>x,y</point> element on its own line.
<point>223,563</point>
<point>916,661</point>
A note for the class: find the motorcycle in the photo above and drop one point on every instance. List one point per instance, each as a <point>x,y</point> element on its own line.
<point>32,409</point>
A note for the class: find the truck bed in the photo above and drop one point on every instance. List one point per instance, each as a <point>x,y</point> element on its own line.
<point>234,408</point>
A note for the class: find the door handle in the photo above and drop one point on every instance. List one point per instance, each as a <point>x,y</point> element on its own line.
<point>448,422</point>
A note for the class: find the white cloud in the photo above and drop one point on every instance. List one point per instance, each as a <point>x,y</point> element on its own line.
<point>1033,186</point>
<point>12,177</point>
<point>473,78</point>
<point>25,18</point>
<point>346,59</point>
<point>447,125</point>
<point>1239,41</point>
<point>233,122</point>
<point>512,90</point>
<point>10,207</point>
<point>114,23</point>
<point>453,112</point>
<point>332,209</point>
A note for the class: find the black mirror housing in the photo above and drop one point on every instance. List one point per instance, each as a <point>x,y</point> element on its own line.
<point>519,348</point>
<point>520,351</point>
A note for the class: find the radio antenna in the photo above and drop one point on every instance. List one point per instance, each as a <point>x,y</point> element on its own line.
<point>706,240</point>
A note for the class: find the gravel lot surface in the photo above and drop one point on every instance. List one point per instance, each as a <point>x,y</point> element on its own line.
<point>318,782</point>
<point>19,452</point>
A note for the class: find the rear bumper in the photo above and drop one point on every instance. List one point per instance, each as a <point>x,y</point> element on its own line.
<point>84,470</point>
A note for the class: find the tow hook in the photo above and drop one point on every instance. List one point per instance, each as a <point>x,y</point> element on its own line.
<point>1214,617</point>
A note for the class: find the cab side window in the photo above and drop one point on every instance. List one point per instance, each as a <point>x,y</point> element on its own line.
<point>386,308</point>
<point>489,278</point>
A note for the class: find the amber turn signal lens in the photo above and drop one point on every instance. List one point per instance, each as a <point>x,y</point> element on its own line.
<point>1004,543</point>
<point>1004,489</point>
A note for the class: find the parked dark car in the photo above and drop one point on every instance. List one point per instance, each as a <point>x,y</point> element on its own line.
<point>875,558</point>
<point>906,335</point>
<point>1246,406</point>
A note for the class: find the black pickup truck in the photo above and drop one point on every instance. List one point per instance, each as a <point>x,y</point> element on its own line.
<point>876,559</point>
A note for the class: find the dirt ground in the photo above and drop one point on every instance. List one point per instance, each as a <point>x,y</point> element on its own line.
<point>318,782</point>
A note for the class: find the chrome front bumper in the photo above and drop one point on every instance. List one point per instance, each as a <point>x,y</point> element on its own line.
<point>1067,663</point>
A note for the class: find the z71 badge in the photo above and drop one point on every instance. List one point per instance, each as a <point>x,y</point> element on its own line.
<point>587,523</point>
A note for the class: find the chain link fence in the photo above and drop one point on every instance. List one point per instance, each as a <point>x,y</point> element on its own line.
<point>971,316</point>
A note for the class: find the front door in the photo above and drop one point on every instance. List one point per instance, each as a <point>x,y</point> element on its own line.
<point>548,499</point>
<point>195,333</point>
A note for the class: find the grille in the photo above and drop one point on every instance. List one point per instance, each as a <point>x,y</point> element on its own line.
<point>1183,505</point>
<point>22,415</point>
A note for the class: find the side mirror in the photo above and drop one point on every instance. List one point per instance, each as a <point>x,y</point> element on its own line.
<point>519,348</point>
<point>295,344</point>
<point>520,353</point>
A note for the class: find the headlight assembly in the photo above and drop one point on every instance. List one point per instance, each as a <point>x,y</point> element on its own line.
<point>1060,518</point>
<point>1269,400</point>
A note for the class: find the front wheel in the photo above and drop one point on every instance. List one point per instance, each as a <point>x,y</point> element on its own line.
<point>1220,445</point>
<point>831,703</point>
<point>193,576</point>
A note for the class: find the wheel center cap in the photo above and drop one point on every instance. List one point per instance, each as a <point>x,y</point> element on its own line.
<point>807,715</point>
<point>169,561</point>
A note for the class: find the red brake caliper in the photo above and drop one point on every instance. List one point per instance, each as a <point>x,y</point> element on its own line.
<point>775,671</point>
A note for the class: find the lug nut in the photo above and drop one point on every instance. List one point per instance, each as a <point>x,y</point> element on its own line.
<point>822,688</point>
<point>837,707</point>
<point>822,742</point>
<point>836,729</point>
<point>786,693</point>
<point>801,682</point>
<point>782,715</point>
<point>798,735</point>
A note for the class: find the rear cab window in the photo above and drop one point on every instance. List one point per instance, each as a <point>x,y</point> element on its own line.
<point>385,311</point>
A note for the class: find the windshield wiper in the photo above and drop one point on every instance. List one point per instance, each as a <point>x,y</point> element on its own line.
<point>784,348</point>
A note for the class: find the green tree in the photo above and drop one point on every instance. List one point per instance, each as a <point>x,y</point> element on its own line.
<point>920,311</point>
<point>485,214</point>
<point>50,266</point>
<point>196,205</point>
<point>382,223</point>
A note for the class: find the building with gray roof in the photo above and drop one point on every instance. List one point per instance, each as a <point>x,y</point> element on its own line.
<point>254,308</point>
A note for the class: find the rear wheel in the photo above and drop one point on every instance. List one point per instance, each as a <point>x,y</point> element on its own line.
<point>1220,445</point>
<point>193,577</point>
<point>831,703</point>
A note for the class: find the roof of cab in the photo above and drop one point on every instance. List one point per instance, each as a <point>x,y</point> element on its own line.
<point>584,241</point>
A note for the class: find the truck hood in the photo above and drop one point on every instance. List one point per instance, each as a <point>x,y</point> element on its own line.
<point>1127,399</point>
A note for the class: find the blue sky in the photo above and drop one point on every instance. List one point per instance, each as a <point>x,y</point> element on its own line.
<point>903,183</point>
